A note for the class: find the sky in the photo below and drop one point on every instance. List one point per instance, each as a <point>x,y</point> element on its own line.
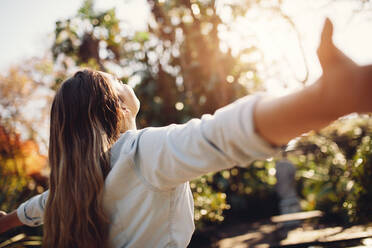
<point>26,29</point>
<point>279,44</point>
<point>26,26</point>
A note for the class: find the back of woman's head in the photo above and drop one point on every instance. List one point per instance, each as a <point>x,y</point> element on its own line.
<point>85,118</point>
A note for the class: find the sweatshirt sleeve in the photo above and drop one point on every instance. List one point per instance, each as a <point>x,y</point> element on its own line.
<point>31,212</point>
<point>171,155</point>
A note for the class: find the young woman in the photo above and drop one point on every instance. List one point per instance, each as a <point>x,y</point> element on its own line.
<point>114,186</point>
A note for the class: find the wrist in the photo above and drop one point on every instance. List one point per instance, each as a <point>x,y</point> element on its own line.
<point>329,103</point>
<point>365,80</point>
<point>9,221</point>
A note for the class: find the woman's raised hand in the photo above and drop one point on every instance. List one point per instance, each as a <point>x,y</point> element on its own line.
<point>346,87</point>
<point>329,55</point>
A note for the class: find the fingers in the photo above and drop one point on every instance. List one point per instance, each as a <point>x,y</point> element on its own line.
<point>2,213</point>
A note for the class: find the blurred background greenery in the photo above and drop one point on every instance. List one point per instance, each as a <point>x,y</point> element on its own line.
<point>180,68</point>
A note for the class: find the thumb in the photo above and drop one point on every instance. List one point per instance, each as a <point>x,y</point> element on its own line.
<point>327,33</point>
<point>327,50</point>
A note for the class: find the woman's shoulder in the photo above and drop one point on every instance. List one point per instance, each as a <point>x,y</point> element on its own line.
<point>125,144</point>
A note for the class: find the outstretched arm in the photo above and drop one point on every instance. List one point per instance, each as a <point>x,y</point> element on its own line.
<point>343,88</point>
<point>29,213</point>
<point>171,155</point>
<point>9,221</point>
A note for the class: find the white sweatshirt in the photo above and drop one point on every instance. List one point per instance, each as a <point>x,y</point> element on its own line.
<point>147,194</point>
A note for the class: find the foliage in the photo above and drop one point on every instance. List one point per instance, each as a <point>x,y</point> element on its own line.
<point>359,203</point>
<point>208,204</point>
<point>177,65</point>
<point>21,177</point>
<point>24,90</point>
<point>235,194</point>
<point>78,40</point>
<point>334,170</point>
<point>21,166</point>
<point>250,191</point>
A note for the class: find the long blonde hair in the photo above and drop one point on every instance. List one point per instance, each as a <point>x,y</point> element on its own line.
<point>85,122</point>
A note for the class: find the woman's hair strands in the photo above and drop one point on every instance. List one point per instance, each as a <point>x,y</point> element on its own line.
<point>85,123</point>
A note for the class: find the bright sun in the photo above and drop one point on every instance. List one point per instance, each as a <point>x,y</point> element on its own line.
<point>281,63</point>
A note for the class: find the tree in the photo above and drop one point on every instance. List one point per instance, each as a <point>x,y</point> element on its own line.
<point>21,170</point>
<point>180,69</point>
<point>25,98</point>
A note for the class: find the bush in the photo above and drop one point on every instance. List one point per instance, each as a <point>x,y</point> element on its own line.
<point>334,170</point>
<point>235,194</point>
<point>209,204</point>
